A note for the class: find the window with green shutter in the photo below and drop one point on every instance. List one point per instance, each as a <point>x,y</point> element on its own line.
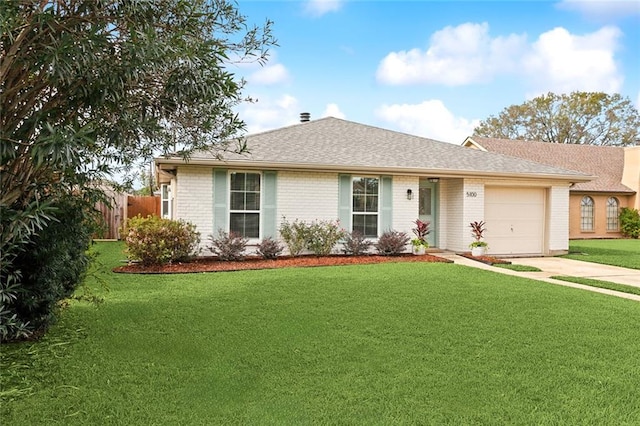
<point>244,204</point>
<point>365,205</point>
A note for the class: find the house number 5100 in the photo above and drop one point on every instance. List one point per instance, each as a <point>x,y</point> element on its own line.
<point>472,194</point>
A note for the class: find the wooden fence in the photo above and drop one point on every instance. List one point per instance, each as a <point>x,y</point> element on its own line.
<point>124,206</point>
<point>113,215</point>
<point>145,206</point>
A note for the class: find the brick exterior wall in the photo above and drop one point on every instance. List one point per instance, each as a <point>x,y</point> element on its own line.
<point>557,235</point>
<point>193,199</point>
<point>405,212</point>
<point>454,231</point>
<point>600,215</point>
<point>314,196</point>
<point>307,196</point>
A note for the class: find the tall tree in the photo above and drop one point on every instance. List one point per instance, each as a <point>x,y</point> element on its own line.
<point>588,118</point>
<point>87,86</point>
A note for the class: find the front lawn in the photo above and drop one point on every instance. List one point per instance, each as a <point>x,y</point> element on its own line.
<point>617,252</point>
<point>402,343</point>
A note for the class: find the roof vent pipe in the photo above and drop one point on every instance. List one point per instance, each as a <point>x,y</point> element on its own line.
<point>304,117</point>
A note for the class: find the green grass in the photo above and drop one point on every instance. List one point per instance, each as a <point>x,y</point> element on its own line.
<point>516,267</point>
<point>599,283</point>
<point>403,343</point>
<point>617,252</point>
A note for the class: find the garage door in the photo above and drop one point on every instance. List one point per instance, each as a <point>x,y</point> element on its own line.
<point>515,220</point>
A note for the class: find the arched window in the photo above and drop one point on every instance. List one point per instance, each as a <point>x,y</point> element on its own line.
<point>612,214</point>
<point>586,214</point>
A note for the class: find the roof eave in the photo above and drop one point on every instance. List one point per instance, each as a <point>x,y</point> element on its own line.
<point>408,171</point>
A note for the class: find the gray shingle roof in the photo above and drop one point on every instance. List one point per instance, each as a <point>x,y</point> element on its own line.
<point>335,144</point>
<point>604,162</point>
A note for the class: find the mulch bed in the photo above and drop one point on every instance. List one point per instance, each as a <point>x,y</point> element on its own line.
<point>489,260</point>
<point>211,264</point>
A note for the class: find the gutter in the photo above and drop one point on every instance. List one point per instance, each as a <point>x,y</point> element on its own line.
<point>407,171</point>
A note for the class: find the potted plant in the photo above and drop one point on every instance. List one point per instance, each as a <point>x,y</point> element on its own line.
<point>478,247</point>
<point>419,243</point>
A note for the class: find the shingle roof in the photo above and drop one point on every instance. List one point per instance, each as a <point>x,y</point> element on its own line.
<point>604,162</point>
<point>332,143</point>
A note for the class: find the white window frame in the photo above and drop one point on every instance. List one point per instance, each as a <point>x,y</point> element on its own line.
<point>587,219</point>
<point>260,201</point>
<point>613,222</point>
<point>165,196</point>
<point>376,213</point>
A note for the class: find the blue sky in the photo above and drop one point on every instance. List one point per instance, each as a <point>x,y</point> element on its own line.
<point>435,68</point>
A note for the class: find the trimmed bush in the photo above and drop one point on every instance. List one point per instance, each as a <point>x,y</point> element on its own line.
<point>356,244</point>
<point>294,235</point>
<point>322,236</point>
<point>319,236</point>
<point>153,240</point>
<point>269,248</point>
<point>228,246</point>
<point>630,222</point>
<point>392,243</point>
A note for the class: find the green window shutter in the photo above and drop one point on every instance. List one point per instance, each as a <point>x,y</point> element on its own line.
<point>269,206</point>
<point>344,201</point>
<point>386,209</point>
<point>220,208</point>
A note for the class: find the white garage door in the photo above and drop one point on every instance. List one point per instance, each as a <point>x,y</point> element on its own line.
<point>515,220</point>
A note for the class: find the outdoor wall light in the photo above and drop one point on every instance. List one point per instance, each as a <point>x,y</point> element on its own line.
<point>434,180</point>
<point>409,194</point>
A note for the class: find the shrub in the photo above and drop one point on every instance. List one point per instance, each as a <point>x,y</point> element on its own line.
<point>319,236</point>
<point>269,248</point>
<point>392,243</point>
<point>47,270</point>
<point>356,244</point>
<point>294,235</point>
<point>630,222</point>
<point>228,246</point>
<point>322,236</point>
<point>153,240</point>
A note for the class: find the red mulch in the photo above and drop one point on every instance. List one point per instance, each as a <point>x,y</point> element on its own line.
<point>489,260</point>
<point>211,264</point>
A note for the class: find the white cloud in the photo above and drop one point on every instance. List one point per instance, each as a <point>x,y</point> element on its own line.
<point>268,113</point>
<point>319,8</point>
<point>429,119</point>
<point>562,62</point>
<point>456,56</point>
<point>557,61</point>
<point>602,9</point>
<point>332,110</point>
<point>269,75</point>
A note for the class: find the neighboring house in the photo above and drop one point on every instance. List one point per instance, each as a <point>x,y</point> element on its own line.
<point>594,206</point>
<point>372,180</point>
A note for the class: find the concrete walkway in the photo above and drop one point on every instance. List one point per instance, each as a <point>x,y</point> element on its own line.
<point>551,266</point>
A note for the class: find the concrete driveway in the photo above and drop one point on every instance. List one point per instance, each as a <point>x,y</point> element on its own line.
<point>552,266</point>
<point>576,268</point>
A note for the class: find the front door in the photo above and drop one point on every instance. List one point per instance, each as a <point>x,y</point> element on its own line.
<point>427,209</point>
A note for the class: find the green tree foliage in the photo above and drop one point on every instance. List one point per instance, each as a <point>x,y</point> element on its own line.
<point>49,268</point>
<point>88,87</point>
<point>588,118</point>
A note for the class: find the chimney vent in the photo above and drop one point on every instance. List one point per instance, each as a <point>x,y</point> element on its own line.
<point>304,117</point>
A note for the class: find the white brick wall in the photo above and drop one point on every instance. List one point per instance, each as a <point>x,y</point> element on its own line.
<point>473,199</point>
<point>558,219</point>
<point>307,196</point>
<point>405,212</point>
<point>452,191</point>
<point>194,199</point>
<point>314,196</point>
